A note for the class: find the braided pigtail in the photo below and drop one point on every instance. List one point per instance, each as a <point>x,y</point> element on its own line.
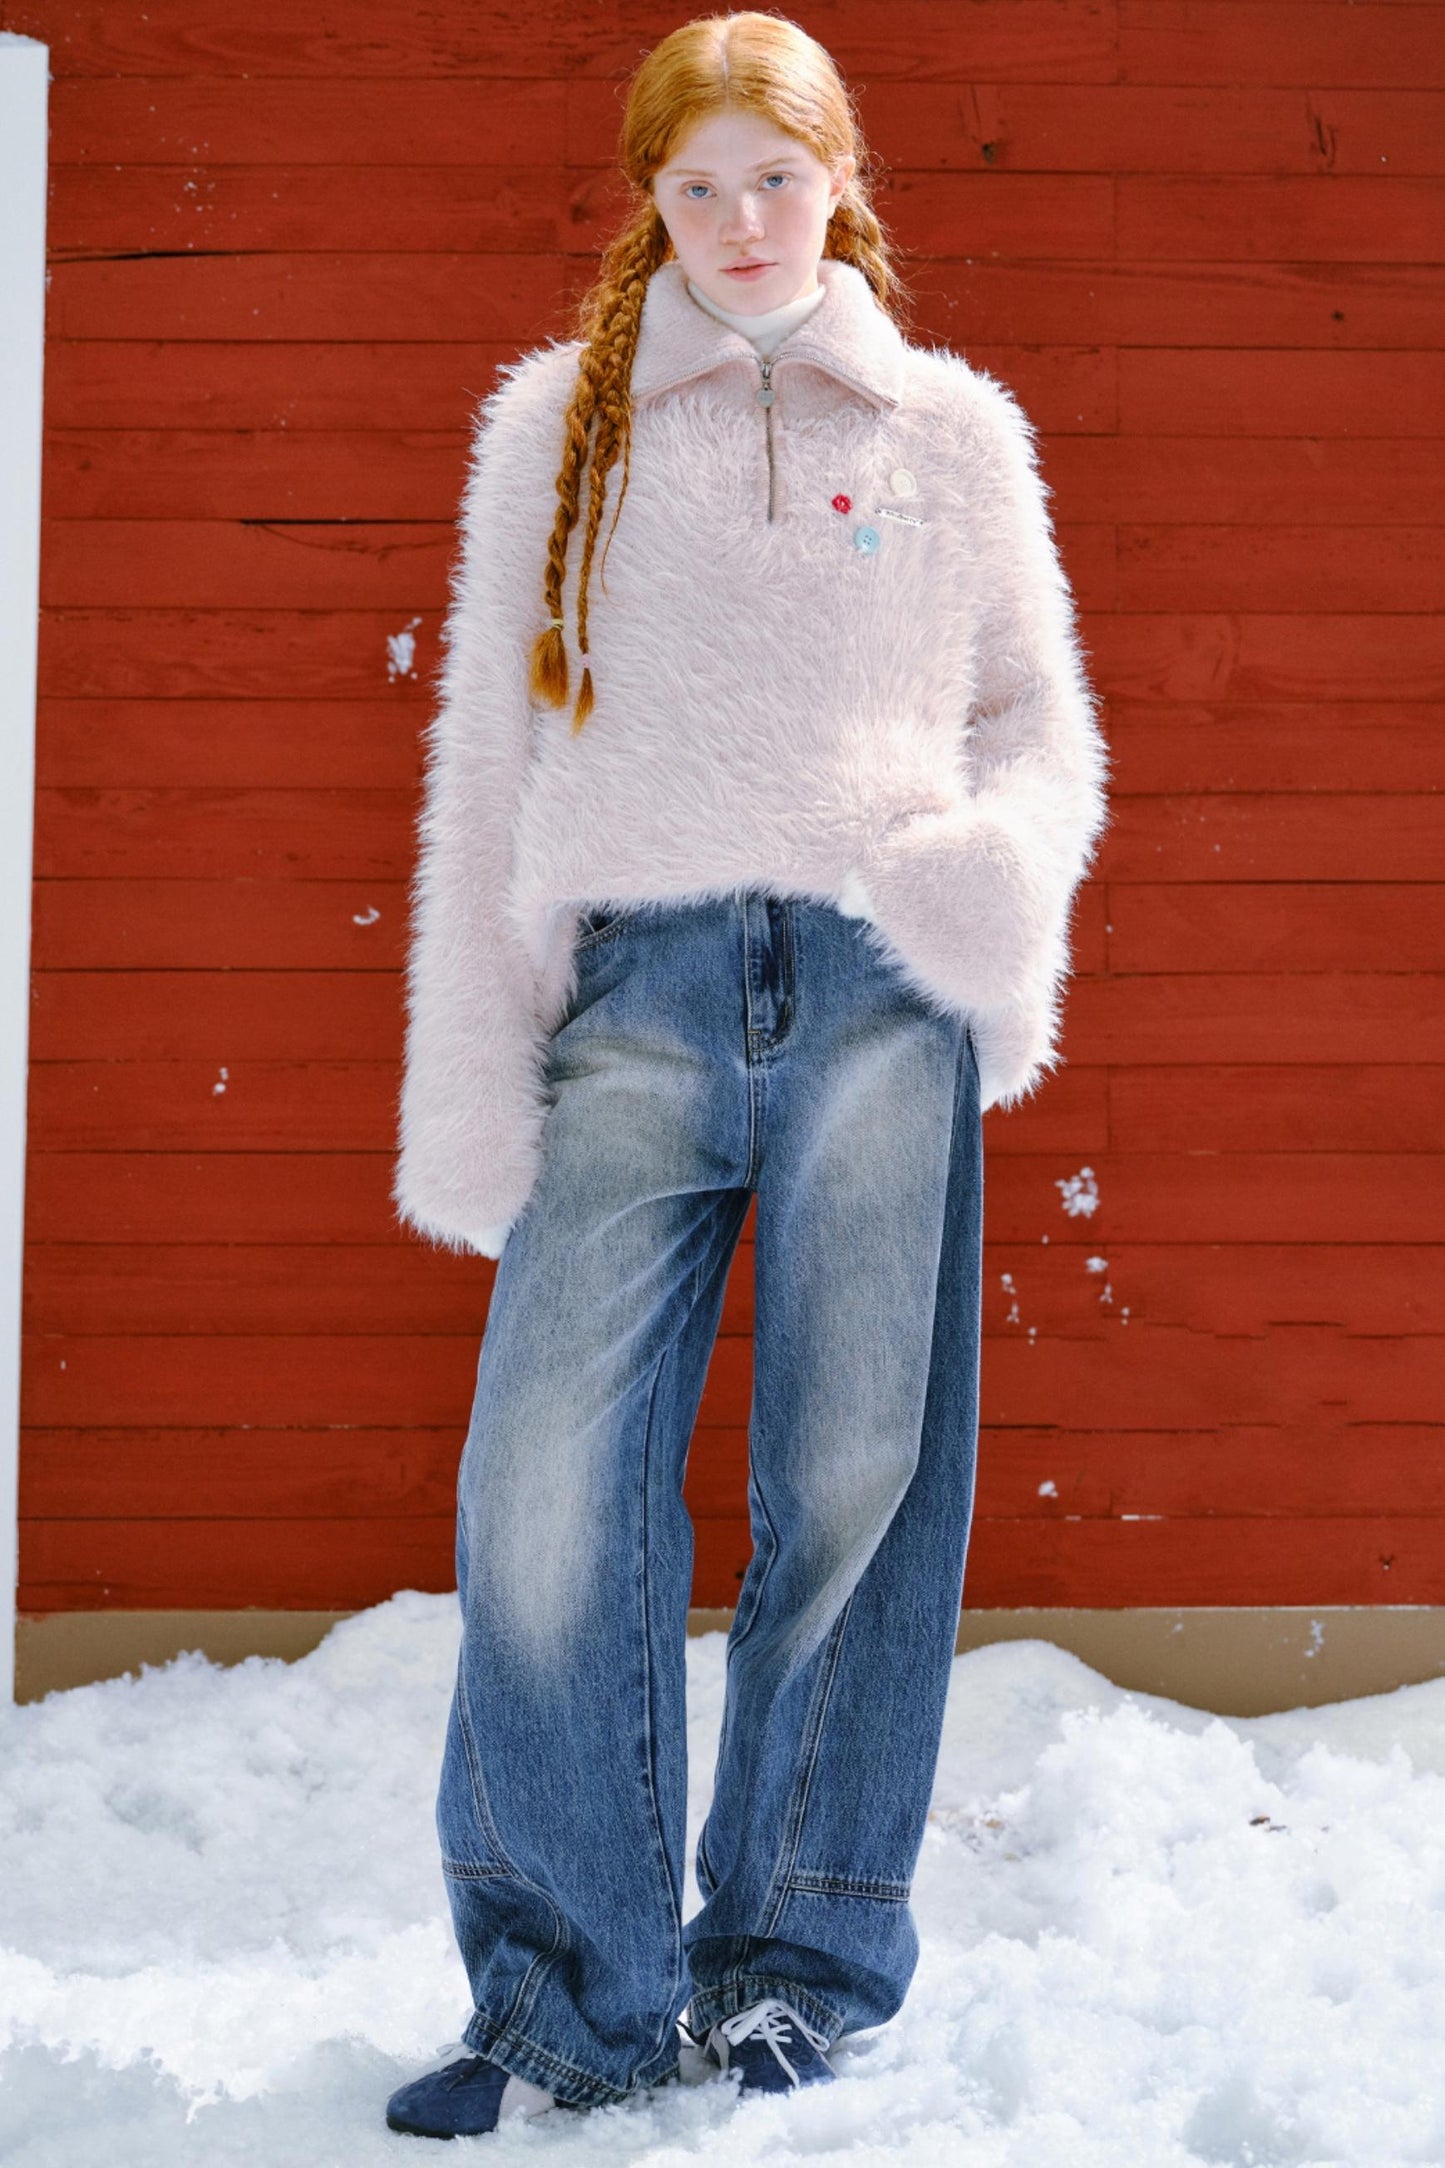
<point>598,423</point>
<point>855,236</point>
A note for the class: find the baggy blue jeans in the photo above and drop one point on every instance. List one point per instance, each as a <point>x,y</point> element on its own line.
<point>749,1044</point>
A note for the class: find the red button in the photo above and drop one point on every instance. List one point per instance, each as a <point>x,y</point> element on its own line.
<point>842,503</point>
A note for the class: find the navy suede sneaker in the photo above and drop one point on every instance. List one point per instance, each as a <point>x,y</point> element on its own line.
<point>466,2097</point>
<point>772,2047</point>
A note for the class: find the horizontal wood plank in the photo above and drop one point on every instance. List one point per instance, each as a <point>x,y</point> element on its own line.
<point>380,387</point>
<point>266,564</point>
<point>1170,1378</point>
<point>198,564</point>
<point>1023,39</point>
<point>1280,41</point>
<point>264,654</point>
<point>1158,749</point>
<point>1015,120</point>
<point>345,1565</point>
<point>365,834</point>
<point>1380,219</point>
<point>219,922</point>
<point>1228,748</point>
<point>1340,928</point>
<point>1277,391</point>
<point>514,299</point>
<point>1221,304</point>
<point>1058,1287</point>
<point>137,1106</point>
<point>1042,1475</point>
<point>279,474</point>
<point>1252,568</point>
<point>1143,1196</point>
<point>1145,1021</point>
<point>429,208</point>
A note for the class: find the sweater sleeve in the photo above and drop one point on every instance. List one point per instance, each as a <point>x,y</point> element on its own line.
<point>473,1099</point>
<point>978,893</point>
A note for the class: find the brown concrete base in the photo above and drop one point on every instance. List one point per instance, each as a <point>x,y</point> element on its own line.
<point>73,1648</point>
<point>1237,1661</point>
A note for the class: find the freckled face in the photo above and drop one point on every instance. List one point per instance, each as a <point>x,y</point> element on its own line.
<point>746,208</point>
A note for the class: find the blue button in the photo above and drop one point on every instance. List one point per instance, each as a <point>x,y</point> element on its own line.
<point>867,539</point>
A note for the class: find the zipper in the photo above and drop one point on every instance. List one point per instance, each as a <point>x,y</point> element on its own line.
<point>765,400</point>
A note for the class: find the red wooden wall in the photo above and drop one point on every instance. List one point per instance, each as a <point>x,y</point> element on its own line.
<point>288,248</point>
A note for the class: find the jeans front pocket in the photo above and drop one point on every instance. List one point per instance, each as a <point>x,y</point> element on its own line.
<point>597,923</point>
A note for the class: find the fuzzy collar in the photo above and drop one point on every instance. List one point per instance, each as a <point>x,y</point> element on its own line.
<point>849,335</point>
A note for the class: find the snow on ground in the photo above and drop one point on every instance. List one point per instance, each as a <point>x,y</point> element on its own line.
<point>1151,1937</point>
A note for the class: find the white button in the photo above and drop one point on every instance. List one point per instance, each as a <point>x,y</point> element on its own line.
<point>902,484</point>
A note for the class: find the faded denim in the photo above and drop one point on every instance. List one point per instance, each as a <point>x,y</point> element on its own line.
<point>746,1044</point>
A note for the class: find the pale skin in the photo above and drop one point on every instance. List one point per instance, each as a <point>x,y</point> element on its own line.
<point>737,191</point>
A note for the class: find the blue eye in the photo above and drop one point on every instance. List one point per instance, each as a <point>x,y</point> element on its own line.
<point>783,177</point>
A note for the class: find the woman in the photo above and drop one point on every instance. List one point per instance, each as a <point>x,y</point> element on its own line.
<point>777,909</point>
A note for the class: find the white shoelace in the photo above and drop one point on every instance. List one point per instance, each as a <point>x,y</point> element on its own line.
<point>771,2020</point>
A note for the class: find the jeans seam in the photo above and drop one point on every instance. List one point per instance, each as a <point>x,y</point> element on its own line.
<point>787,972</point>
<point>481,1804</point>
<point>707,1880</point>
<point>614,925</point>
<point>599,940</point>
<point>750,1061</point>
<point>774,1547</point>
<point>531,1980</point>
<point>881,1888</point>
<point>777,1895</point>
<point>537,1972</point>
<point>651,1760</point>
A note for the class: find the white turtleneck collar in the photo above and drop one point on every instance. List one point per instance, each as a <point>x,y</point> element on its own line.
<point>767,331</point>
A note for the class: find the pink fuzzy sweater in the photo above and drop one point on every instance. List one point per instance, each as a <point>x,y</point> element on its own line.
<point>835,656</point>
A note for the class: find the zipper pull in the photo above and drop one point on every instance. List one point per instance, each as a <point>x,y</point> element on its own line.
<point>766,395</point>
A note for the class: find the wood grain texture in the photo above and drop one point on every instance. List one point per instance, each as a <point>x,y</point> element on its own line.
<point>287,254</point>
